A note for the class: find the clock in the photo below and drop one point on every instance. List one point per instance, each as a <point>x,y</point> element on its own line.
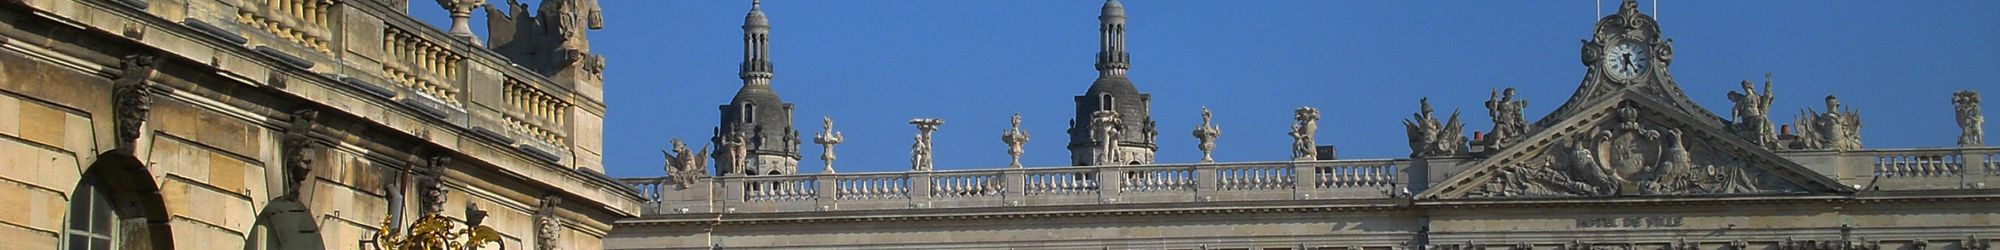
<point>1625,61</point>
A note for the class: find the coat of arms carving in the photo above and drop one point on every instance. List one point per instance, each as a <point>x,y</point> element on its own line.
<point>1631,155</point>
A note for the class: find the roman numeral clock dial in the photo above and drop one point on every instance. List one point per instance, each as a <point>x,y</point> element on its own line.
<point>1626,61</point>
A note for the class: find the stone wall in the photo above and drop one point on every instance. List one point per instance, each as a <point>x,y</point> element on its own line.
<point>208,168</point>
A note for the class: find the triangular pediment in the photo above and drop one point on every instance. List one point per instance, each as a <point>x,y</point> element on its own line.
<point>1631,145</point>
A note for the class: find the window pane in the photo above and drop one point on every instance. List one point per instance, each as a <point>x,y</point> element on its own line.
<point>79,242</point>
<point>100,244</point>
<point>79,208</point>
<point>100,216</point>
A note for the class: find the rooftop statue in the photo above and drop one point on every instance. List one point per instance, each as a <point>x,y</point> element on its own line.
<point>1302,133</point>
<point>550,42</point>
<point>1838,128</point>
<point>1206,134</point>
<point>920,153</point>
<point>1430,138</point>
<point>826,139</point>
<point>683,166</point>
<point>736,148</point>
<point>1015,138</point>
<point>1508,124</point>
<point>1104,124</point>
<point>1752,114</point>
<point>1970,121</point>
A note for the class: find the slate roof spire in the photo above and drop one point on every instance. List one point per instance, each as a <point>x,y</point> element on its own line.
<point>756,67</point>
<point>1111,57</point>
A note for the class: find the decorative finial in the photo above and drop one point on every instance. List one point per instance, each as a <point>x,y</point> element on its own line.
<point>826,139</point>
<point>1015,138</point>
<point>1206,134</point>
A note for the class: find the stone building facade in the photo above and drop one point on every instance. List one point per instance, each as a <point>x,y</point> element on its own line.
<point>1628,162</point>
<point>296,124</point>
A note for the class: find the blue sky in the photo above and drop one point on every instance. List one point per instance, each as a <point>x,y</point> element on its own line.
<point>872,65</point>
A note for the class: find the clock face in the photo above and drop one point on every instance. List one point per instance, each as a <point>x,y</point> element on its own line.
<point>1626,61</point>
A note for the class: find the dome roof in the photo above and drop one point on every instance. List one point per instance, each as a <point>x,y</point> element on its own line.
<point>756,93</point>
<point>1119,87</point>
<point>756,16</point>
<point>1113,9</point>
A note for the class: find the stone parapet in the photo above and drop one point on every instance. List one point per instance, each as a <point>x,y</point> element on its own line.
<point>1060,186</point>
<point>1878,169</point>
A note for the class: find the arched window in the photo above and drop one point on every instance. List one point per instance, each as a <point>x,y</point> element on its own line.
<point>92,220</point>
<point>749,111</point>
<point>1104,102</point>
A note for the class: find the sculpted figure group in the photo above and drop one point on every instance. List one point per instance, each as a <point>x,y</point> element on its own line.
<point>1629,157</point>
<point>1105,124</point>
<point>1428,137</point>
<point>551,42</point>
<point>1752,114</point>
<point>1307,125</point>
<point>920,153</point>
<point>1837,129</point>
<point>1966,102</point>
<point>684,166</point>
<point>1508,124</point>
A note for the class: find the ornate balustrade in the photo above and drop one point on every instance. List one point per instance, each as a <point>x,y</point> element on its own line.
<point>1917,163</point>
<point>1993,164</point>
<point>1083,185</point>
<point>873,186</point>
<point>966,184</point>
<point>1255,177</point>
<point>780,188</point>
<point>1883,169</point>
<point>1062,181</point>
<point>1356,174</point>
<point>421,64</point>
<point>1907,169</point>
<point>535,112</point>
<point>1158,179</point>
<point>303,22</point>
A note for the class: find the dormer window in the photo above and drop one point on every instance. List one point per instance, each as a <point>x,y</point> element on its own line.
<point>749,111</point>
<point>1104,102</point>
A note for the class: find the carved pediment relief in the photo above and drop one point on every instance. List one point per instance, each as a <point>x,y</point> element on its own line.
<point>1632,146</point>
